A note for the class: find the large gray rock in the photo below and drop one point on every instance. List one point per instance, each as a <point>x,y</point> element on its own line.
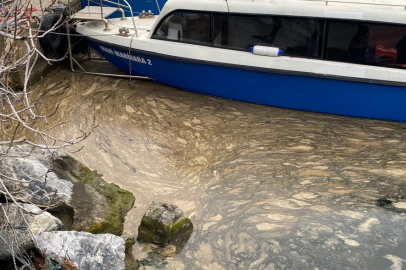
<point>77,195</point>
<point>88,251</point>
<point>16,236</point>
<point>165,224</point>
<point>27,175</point>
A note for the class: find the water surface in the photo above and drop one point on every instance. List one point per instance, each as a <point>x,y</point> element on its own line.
<point>266,188</point>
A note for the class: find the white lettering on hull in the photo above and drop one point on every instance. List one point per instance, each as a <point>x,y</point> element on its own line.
<point>126,56</point>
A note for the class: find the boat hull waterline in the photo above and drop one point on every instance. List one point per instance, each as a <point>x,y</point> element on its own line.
<point>324,95</point>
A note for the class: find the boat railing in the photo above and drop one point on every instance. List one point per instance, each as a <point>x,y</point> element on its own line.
<point>102,11</point>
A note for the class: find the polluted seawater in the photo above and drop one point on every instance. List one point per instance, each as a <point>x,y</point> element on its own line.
<point>266,188</point>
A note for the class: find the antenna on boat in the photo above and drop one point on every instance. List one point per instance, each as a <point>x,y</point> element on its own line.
<point>228,7</point>
<point>157,4</point>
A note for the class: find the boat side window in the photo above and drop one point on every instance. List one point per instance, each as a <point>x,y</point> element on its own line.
<point>220,30</point>
<point>366,43</point>
<point>296,36</point>
<point>188,27</point>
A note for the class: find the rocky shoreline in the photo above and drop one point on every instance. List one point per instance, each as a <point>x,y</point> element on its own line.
<point>71,198</point>
<point>63,214</point>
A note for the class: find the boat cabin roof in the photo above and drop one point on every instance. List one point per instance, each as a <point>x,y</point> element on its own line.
<point>390,11</point>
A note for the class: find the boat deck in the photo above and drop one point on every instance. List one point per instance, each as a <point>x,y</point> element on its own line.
<point>94,12</point>
<point>143,26</point>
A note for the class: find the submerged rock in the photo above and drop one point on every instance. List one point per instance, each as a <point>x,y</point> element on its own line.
<point>16,236</point>
<point>88,251</point>
<point>154,260</point>
<point>165,224</point>
<point>397,205</point>
<point>79,197</point>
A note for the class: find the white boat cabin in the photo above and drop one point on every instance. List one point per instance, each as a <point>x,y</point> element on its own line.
<point>361,32</point>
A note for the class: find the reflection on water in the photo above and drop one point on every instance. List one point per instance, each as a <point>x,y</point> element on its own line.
<point>266,188</point>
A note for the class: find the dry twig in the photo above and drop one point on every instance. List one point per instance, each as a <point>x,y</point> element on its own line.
<point>19,108</point>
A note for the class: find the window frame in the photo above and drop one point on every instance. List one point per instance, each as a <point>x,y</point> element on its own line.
<point>153,36</point>
<point>324,33</point>
<point>213,13</point>
<point>328,21</point>
<point>322,25</point>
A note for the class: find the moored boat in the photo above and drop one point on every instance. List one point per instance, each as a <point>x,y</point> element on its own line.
<point>340,57</point>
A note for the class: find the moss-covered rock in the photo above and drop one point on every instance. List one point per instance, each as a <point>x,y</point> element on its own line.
<point>99,207</point>
<point>85,202</point>
<point>165,224</point>
<point>130,262</point>
<point>133,265</point>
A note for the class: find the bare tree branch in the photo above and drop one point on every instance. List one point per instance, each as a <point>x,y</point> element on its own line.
<point>23,119</point>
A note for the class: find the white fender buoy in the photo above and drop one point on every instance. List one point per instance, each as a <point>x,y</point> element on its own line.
<point>266,51</point>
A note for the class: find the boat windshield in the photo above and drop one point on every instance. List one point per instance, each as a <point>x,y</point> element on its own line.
<point>187,27</point>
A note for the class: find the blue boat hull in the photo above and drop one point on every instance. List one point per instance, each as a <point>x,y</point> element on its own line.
<point>299,92</point>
